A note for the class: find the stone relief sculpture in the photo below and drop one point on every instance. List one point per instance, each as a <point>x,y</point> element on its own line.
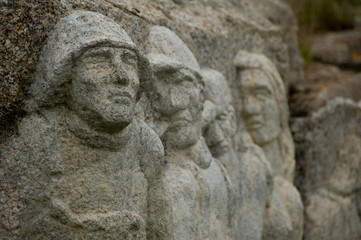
<point>265,113</point>
<point>248,169</point>
<point>91,170</point>
<point>116,144</point>
<point>200,194</point>
<point>331,204</point>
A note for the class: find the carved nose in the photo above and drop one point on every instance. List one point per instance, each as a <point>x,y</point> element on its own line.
<point>119,76</point>
<point>219,136</point>
<point>251,106</point>
<point>215,134</point>
<point>178,100</point>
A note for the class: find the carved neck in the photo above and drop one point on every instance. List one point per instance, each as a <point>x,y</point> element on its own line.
<point>197,153</point>
<point>274,157</point>
<point>228,158</point>
<point>97,139</point>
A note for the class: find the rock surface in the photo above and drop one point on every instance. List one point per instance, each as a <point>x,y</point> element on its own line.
<point>331,181</point>
<point>325,124</point>
<point>338,48</point>
<point>131,120</point>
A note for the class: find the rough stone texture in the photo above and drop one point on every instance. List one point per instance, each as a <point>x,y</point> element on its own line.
<point>324,82</point>
<point>79,162</point>
<point>279,13</point>
<point>325,128</point>
<point>265,114</point>
<point>339,48</point>
<point>24,28</point>
<point>82,166</point>
<point>330,183</point>
<point>200,194</point>
<point>213,30</point>
<point>249,171</point>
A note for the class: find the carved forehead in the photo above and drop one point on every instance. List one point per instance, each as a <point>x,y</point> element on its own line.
<point>163,41</point>
<point>74,34</point>
<point>216,87</point>
<point>104,49</point>
<point>164,65</point>
<point>253,79</point>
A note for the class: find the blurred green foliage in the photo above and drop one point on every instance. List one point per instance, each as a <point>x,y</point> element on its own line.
<point>306,51</point>
<point>320,16</point>
<point>324,15</point>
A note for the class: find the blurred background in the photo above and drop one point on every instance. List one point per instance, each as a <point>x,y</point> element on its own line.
<point>320,16</point>
<point>330,44</point>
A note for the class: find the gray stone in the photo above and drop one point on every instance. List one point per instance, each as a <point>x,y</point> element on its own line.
<point>339,48</point>
<point>90,169</point>
<point>82,164</point>
<point>200,193</point>
<point>331,186</point>
<point>265,114</point>
<point>248,169</point>
<point>280,13</point>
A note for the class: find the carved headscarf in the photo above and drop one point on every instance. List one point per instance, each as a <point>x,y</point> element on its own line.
<point>248,61</point>
<point>72,36</point>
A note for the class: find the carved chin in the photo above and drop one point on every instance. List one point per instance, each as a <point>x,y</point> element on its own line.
<point>114,118</point>
<point>182,137</point>
<point>262,137</point>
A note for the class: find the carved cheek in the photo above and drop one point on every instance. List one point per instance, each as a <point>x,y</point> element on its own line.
<point>270,109</point>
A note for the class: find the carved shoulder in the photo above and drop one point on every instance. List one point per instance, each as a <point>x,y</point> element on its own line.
<point>150,151</point>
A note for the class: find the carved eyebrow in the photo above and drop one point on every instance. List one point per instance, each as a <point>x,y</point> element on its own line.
<point>132,51</point>
<point>262,88</point>
<point>97,51</point>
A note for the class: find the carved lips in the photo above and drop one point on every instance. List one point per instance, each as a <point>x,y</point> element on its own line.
<point>181,119</point>
<point>121,96</point>
<point>254,123</point>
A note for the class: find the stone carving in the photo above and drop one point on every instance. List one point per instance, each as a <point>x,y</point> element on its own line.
<point>245,162</point>
<point>265,113</point>
<point>333,184</point>
<point>91,170</point>
<point>79,164</point>
<point>200,194</point>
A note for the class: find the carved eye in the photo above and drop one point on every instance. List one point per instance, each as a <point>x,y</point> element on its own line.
<point>129,57</point>
<point>262,95</point>
<point>222,117</point>
<point>187,83</point>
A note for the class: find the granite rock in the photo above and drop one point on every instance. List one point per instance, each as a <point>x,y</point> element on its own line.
<point>89,169</point>
<point>200,193</point>
<point>111,128</point>
<point>331,182</point>
<point>265,113</point>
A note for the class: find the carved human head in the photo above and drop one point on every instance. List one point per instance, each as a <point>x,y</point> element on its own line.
<point>90,63</point>
<point>177,87</point>
<point>265,107</point>
<point>264,100</point>
<point>219,123</point>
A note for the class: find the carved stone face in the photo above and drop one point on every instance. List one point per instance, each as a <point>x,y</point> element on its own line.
<point>104,87</point>
<point>220,131</point>
<point>178,100</point>
<point>218,115</point>
<point>260,109</point>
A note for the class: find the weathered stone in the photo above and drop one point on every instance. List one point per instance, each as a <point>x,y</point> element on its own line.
<point>245,162</point>
<point>339,48</point>
<point>280,13</point>
<point>332,169</point>
<point>83,165</point>
<point>201,196</point>
<point>265,113</point>
<point>213,30</point>
<point>89,168</point>
<point>324,82</point>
